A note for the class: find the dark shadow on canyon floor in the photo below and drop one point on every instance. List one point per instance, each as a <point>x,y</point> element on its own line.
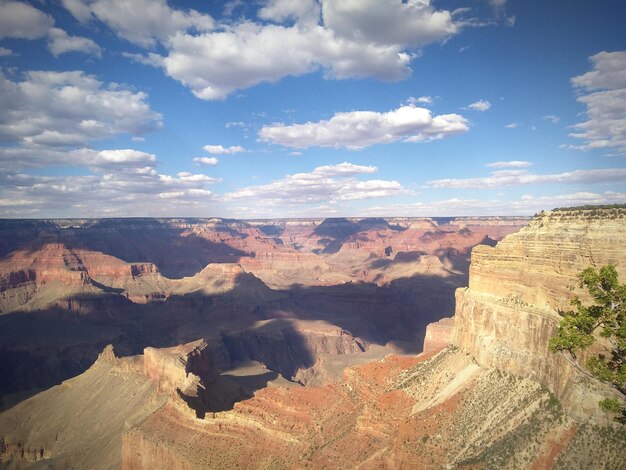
<point>42,348</point>
<point>221,393</point>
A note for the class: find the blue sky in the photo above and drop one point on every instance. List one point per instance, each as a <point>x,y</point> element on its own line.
<point>310,108</point>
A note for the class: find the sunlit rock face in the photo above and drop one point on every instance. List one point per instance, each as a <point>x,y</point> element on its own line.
<point>516,289</point>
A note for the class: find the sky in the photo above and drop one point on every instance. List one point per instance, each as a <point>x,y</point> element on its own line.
<point>310,108</point>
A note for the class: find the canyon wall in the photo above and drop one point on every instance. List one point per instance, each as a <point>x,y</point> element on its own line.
<point>516,289</point>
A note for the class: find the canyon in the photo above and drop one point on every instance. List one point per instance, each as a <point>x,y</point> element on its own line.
<point>370,343</point>
<point>70,287</point>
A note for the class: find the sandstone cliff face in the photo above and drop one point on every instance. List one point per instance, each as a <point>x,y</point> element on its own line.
<point>510,310</point>
<point>438,335</point>
<point>441,411</point>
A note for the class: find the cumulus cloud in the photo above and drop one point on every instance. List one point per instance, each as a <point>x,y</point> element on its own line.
<point>5,52</point>
<point>371,38</point>
<point>60,42</point>
<point>79,9</point>
<point>142,22</point>
<point>344,169</point>
<point>17,158</point>
<point>131,190</point>
<point>221,150</point>
<point>503,178</point>
<point>510,164</point>
<point>325,184</point>
<point>388,22</point>
<point>512,125</point>
<point>359,129</point>
<point>20,20</point>
<point>208,161</point>
<point>294,10</point>
<point>603,92</point>
<point>480,105</point>
<point>126,179</point>
<point>420,100</point>
<point>214,65</point>
<point>609,72</point>
<point>69,109</point>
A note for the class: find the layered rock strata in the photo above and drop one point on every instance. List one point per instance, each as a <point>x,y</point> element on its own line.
<point>516,289</point>
<point>441,411</point>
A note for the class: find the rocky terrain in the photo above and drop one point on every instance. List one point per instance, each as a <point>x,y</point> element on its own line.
<point>233,369</point>
<point>522,284</point>
<point>70,287</point>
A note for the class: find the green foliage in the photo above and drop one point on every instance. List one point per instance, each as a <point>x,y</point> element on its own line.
<point>610,404</point>
<point>606,317</point>
<point>590,207</point>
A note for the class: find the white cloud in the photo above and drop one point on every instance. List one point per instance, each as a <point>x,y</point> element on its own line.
<point>526,205</point>
<point>502,178</point>
<point>208,161</point>
<point>388,22</point>
<point>60,42</point>
<point>370,38</point>
<point>187,177</point>
<point>151,59</point>
<point>512,125</point>
<point>142,22</point>
<point>20,20</point>
<point>480,105</point>
<point>128,190</point>
<point>609,72</point>
<point>214,65</point>
<point>604,96</point>
<point>359,129</point>
<point>79,9</point>
<point>552,118</point>
<point>296,10</point>
<point>344,169</point>
<point>5,52</point>
<point>16,158</point>
<point>69,109</point>
<point>510,164</point>
<point>325,184</point>
<point>124,156</point>
<point>221,150</point>
<point>241,124</point>
<point>421,100</point>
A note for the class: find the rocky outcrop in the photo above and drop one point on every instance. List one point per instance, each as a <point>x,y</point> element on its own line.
<point>510,310</point>
<point>441,411</point>
<point>290,347</point>
<point>166,367</point>
<point>79,423</point>
<point>438,335</point>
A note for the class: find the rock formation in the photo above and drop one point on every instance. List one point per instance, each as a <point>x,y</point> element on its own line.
<point>516,289</point>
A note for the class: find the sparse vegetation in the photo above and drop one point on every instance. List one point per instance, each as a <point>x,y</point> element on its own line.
<point>606,317</point>
<point>590,207</point>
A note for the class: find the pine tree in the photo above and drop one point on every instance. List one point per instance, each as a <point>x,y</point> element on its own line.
<point>606,317</point>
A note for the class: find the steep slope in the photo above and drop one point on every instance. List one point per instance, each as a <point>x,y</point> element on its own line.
<point>442,411</point>
<point>78,424</point>
<point>510,310</point>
